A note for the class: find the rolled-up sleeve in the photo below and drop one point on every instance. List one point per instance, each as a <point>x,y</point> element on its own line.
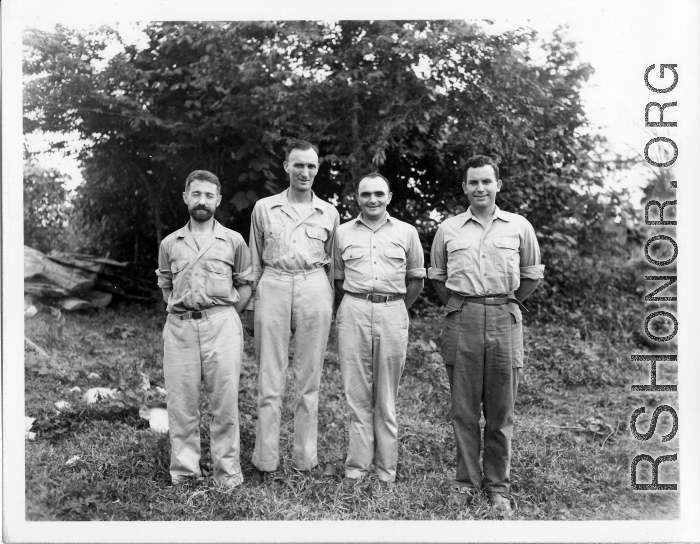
<point>438,260</point>
<point>338,263</point>
<point>530,266</point>
<point>165,276</point>
<point>256,251</point>
<point>243,271</point>
<point>330,248</point>
<point>415,263</point>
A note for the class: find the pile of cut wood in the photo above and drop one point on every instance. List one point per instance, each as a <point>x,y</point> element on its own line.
<point>75,281</point>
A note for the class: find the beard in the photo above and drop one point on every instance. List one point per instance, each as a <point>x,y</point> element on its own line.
<point>201,215</point>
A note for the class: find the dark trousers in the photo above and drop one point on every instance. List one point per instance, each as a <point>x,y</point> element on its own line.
<point>483,348</point>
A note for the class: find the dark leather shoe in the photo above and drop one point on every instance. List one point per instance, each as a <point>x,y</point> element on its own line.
<point>258,477</point>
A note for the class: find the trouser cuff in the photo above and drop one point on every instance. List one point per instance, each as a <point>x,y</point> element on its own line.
<point>305,465</point>
<point>355,473</point>
<point>266,466</point>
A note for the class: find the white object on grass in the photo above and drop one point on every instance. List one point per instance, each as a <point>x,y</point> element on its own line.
<point>28,422</point>
<point>75,389</point>
<point>73,460</point>
<point>62,404</point>
<point>93,376</point>
<point>157,417</point>
<point>92,395</point>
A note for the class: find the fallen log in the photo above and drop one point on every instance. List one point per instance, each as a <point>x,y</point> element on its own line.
<point>73,304</point>
<point>98,299</point>
<point>39,269</point>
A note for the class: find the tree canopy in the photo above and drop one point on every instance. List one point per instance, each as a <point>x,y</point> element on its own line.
<point>410,99</point>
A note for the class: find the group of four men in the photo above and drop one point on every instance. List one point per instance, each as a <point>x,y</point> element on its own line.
<point>485,262</point>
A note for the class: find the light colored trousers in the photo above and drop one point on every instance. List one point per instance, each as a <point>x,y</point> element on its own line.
<point>286,304</point>
<point>372,342</point>
<point>209,350</point>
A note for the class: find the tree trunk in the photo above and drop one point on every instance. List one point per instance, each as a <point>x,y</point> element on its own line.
<point>355,168</point>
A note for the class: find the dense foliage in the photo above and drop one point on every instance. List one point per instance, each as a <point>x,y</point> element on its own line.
<point>45,207</point>
<point>410,99</point>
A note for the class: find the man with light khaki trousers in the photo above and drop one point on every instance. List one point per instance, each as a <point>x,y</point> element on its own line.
<point>484,264</point>
<point>379,269</point>
<point>291,238</point>
<point>205,273</point>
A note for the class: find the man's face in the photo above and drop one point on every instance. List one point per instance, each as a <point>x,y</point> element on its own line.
<point>302,167</point>
<point>373,195</point>
<point>202,199</point>
<point>481,187</point>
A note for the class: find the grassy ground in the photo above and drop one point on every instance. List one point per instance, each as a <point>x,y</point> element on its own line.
<point>572,446</point>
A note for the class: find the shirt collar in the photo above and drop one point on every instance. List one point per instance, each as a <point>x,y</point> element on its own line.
<point>283,199</point>
<point>387,218</point>
<point>497,214</point>
<point>217,231</point>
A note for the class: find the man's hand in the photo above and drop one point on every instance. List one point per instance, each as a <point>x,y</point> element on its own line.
<point>442,291</point>
<point>249,322</point>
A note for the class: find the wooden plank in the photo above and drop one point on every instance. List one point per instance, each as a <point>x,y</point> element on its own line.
<point>43,289</point>
<point>69,259</point>
<point>73,304</point>
<point>39,267</point>
<point>98,299</point>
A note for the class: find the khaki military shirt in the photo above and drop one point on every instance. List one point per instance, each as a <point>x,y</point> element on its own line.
<point>377,261</point>
<point>206,277</point>
<point>280,238</point>
<point>476,259</point>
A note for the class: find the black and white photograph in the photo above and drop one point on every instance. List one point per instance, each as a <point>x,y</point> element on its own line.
<point>303,272</point>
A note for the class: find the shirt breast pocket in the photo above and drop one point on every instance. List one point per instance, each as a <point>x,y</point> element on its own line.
<point>219,281</point>
<point>316,238</point>
<point>352,261</point>
<point>274,241</point>
<point>396,262</point>
<point>458,261</point>
<point>177,267</point>
<point>507,254</point>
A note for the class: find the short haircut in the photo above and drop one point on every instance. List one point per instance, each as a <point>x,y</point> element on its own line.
<point>477,161</point>
<point>202,175</point>
<point>372,175</point>
<point>298,144</point>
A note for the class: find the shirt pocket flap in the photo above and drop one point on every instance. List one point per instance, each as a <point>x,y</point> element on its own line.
<point>395,253</point>
<point>179,265</point>
<point>217,267</point>
<point>454,245</point>
<point>353,253</point>
<point>511,242</point>
<point>317,233</point>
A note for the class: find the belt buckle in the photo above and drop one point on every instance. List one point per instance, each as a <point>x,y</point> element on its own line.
<point>377,298</point>
<point>196,315</point>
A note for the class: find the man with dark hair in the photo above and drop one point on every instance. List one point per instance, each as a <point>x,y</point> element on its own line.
<point>205,273</point>
<point>202,175</point>
<point>484,264</point>
<point>379,268</point>
<point>291,238</point>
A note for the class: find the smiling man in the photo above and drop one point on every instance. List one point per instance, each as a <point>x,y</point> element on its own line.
<point>484,264</point>
<point>205,273</point>
<point>291,237</point>
<point>379,269</point>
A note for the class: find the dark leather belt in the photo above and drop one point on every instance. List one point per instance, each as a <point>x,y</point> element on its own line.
<point>375,297</point>
<point>490,300</point>
<point>199,314</point>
